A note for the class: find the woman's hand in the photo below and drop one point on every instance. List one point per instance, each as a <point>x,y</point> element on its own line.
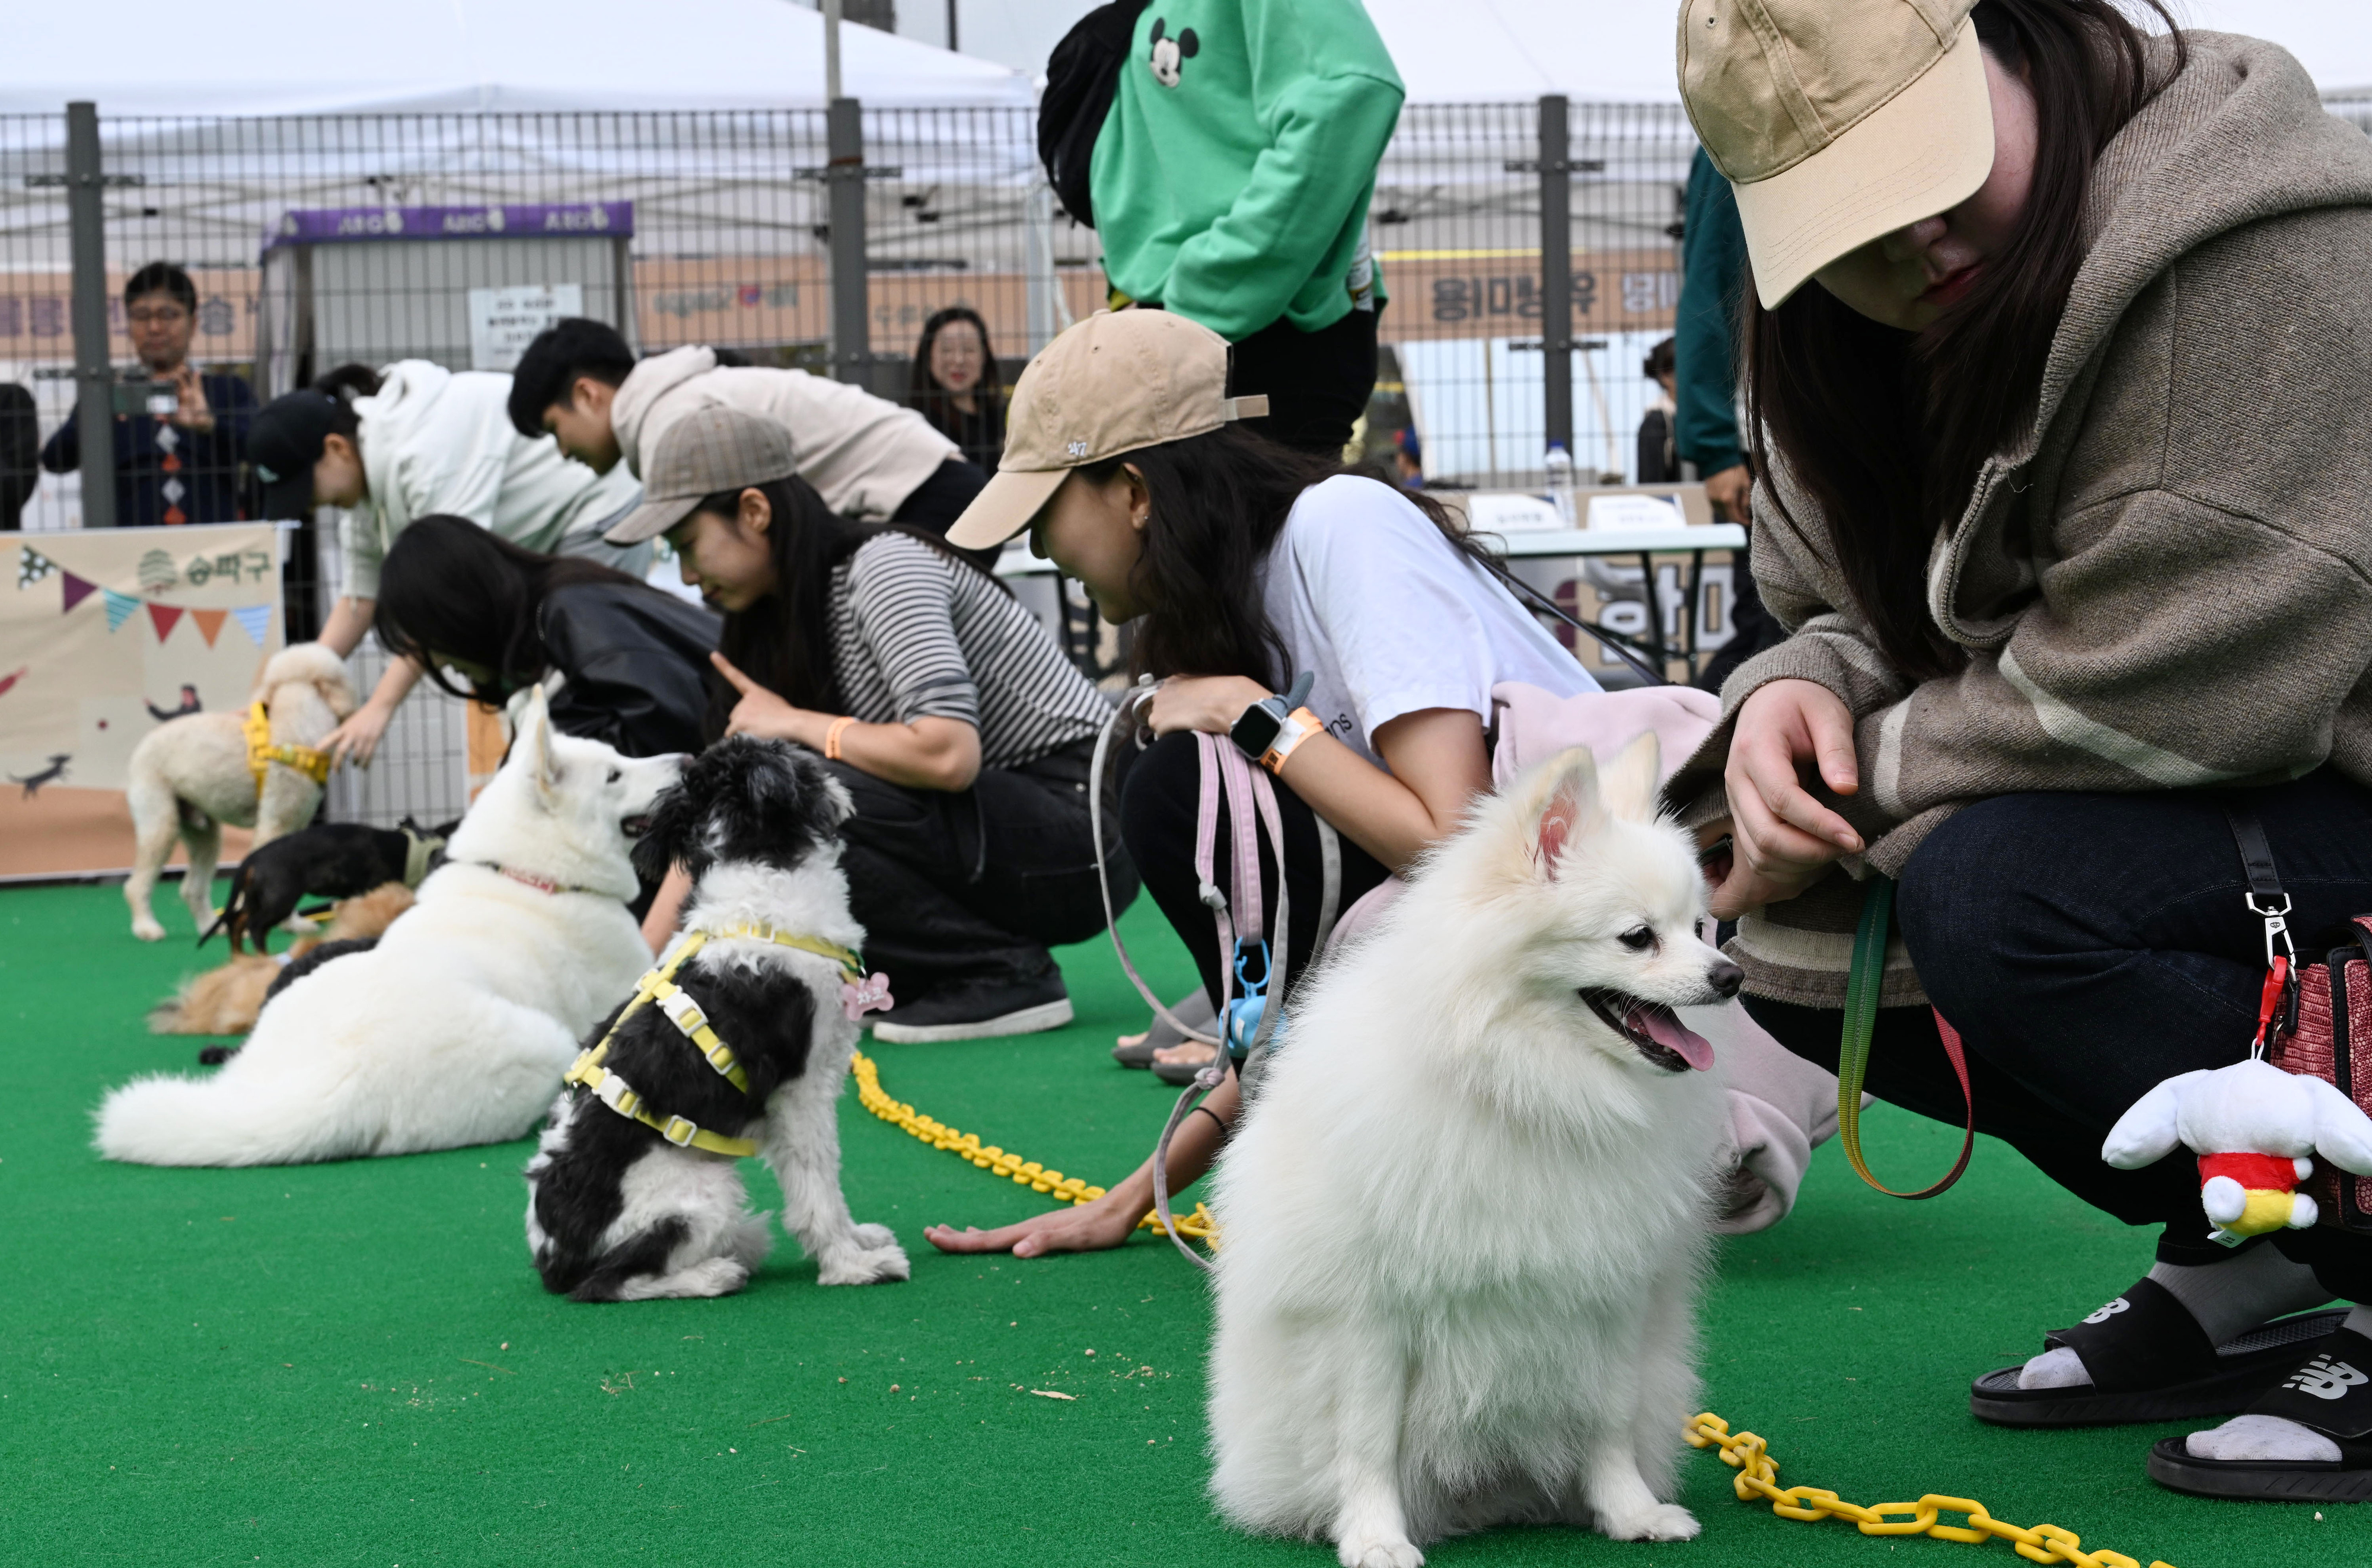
<point>1089,1227</point>
<point>356,740</point>
<point>1784,839</point>
<point>759,712</point>
<point>1211,704</point>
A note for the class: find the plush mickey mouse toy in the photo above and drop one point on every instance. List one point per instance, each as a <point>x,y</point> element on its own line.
<point>1170,54</point>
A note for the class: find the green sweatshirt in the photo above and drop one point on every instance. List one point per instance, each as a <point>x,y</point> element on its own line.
<point>1232,177</point>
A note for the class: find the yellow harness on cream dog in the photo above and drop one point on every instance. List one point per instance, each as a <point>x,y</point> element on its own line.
<point>658,986</point>
<point>261,754</point>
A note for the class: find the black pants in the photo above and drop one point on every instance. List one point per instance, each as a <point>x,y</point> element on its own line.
<point>2088,946</point>
<point>1317,383</point>
<point>976,884</point>
<point>1158,816</point>
<point>939,501</point>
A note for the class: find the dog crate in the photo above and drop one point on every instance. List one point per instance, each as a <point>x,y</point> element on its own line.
<point>466,287</point>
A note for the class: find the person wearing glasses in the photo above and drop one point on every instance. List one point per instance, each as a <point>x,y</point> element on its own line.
<point>177,455</point>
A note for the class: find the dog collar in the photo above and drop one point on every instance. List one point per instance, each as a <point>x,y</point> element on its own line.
<point>540,884</point>
<point>261,754</point>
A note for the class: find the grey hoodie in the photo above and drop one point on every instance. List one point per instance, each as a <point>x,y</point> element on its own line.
<point>865,455</point>
<point>2166,582</point>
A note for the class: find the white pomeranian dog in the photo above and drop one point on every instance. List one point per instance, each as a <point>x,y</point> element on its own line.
<point>456,1027</point>
<point>1464,1218</point>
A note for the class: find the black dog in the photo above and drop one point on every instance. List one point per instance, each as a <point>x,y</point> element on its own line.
<point>616,1211</point>
<point>51,774</point>
<point>328,860</point>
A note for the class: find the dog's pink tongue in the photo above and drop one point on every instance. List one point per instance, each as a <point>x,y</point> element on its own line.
<point>1663,1026</point>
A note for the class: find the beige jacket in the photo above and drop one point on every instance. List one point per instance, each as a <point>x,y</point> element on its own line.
<point>865,455</point>
<point>2166,583</point>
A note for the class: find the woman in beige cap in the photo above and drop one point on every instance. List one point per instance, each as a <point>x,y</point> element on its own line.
<point>2056,364</point>
<point>1250,570</point>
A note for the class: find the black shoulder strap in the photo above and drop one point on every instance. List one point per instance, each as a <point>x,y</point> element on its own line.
<point>2256,852</point>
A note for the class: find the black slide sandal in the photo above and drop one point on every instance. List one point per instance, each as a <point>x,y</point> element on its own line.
<point>2332,1393</point>
<point>2150,1361</point>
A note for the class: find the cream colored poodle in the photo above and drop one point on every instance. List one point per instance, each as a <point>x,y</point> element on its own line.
<point>192,774</point>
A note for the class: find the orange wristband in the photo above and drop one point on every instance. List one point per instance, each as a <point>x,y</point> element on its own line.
<point>832,736</point>
<point>1299,727</point>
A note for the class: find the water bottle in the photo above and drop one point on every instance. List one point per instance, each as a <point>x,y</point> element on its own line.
<point>1559,462</point>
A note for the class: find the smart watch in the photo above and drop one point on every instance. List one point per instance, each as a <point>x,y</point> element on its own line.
<point>1255,729</point>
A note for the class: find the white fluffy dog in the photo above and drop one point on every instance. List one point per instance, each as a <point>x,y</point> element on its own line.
<point>455,1030</point>
<point>1465,1214</point>
<point>190,775</point>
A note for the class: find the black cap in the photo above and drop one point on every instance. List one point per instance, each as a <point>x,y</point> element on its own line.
<point>284,443</point>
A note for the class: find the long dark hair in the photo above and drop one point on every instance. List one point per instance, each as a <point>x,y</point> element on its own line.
<point>1218,501</point>
<point>1886,431</point>
<point>933,401</point>
<point>783,641</point>
<point>448,587</point>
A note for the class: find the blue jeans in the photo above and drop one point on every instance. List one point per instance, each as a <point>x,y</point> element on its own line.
<point>2088,946</point>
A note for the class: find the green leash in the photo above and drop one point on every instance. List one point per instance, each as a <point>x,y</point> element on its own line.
<point>1862,987</point>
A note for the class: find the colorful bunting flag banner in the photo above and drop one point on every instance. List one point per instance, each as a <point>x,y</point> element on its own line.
<point>255,620</point>
<point>76,589</point>
<point>119,607</point>
<point>31,566</point>
<point>209,623</point>
<point>164,617</point>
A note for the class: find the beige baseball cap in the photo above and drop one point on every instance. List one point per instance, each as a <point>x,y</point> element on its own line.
<point>1115,382</point>
<point>713,449</point>
<point>1836,120</point>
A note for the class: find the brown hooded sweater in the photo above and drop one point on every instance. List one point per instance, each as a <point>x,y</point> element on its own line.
<point>2163,583</point>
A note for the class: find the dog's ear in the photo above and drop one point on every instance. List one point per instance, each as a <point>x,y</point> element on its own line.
<point>1564,805</point>
<point>535,736</point>
<point>339,692</point>
<point>671,836</point>
<point>1630,784</point>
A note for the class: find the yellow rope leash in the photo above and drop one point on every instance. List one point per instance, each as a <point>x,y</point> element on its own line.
<point>1198,1225</point>
<point>1758,1476</point>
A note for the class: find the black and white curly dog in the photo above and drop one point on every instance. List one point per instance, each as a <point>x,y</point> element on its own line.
<point>617,1213</point>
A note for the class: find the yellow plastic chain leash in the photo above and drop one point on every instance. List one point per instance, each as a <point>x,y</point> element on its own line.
<point>1198,1225</point>
<point>260,753</point>
<point>1758,1476</point>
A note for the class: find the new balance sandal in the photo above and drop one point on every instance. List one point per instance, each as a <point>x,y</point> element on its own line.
<point>1137,1051</point>
<point>2149,1359</point>
<point>2332,1394</point>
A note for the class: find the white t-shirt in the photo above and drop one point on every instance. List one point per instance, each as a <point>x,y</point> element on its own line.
<point>1391,618</point>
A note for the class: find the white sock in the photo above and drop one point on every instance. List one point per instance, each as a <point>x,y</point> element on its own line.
<point>2224,1298</point>
<point>2262,1437</point>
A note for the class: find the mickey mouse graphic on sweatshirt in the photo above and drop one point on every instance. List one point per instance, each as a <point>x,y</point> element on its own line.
<point>1171,53</point>
<point>1232,177</point>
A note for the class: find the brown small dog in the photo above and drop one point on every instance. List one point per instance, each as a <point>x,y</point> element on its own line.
<point>225,1001</point>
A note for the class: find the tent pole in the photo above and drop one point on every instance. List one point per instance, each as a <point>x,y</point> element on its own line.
<point>1556,270</point>
<point>831,51</point>
<point>851,326</point>
<point>86,237</point>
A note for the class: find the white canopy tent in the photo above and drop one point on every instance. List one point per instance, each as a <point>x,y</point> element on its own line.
<point>291,57</point>
<point>1621,50</point>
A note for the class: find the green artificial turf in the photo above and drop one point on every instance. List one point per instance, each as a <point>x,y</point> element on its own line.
<point>355,1364</point>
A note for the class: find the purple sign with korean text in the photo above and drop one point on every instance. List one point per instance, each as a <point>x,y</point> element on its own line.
<point>333,226</point>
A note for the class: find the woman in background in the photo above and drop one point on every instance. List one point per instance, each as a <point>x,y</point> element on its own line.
<point>621,661</point>
<point>1659,460</point>
<point>957,387</point>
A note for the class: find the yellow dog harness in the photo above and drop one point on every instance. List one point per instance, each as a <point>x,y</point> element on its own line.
<point>261,754</point>
<point>657,986</point>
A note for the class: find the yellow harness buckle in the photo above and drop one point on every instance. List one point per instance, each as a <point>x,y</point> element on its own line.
<point>261,754</point>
